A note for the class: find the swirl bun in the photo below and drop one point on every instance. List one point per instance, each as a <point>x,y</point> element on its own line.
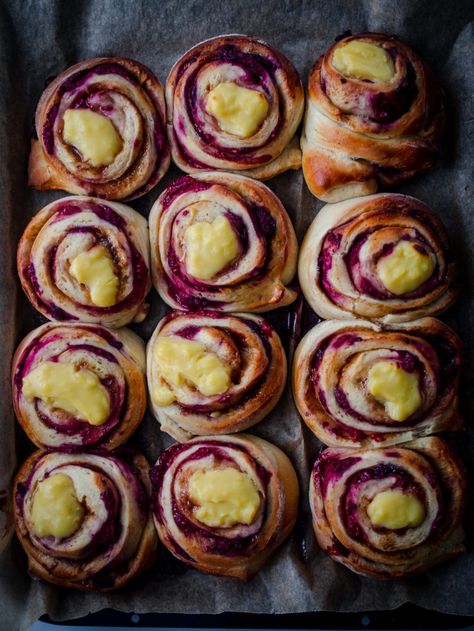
<point>83,519</point>
<point>358,386</point>
<point>81,258</point>
<point>374,116</point>
<point>227,524</point>
<point>389,514</point>
<point>101,131</point>
<point>222,241</point>
<point>211,373</point>
<point>77,386</point>
<point>385,257</point>
<point>234,103</point>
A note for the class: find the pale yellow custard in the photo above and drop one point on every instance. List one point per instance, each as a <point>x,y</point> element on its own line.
<point>56,510</point>
<point>96,270</point>
<point>93,135</point>
<point>396,388</point>
<point>363,60</point>
<point>224,497</point>
<point>180,361</point>
<point>394,510</point>
<point>405,268</point>
<point>77,391</point>
<point>237,110</point>
<point>210,247</point>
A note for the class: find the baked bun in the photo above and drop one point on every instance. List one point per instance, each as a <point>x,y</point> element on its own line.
<point>234,103</point>
<point>374,117</point>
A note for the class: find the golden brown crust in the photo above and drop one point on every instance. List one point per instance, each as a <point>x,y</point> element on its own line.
<point>358,134</point>
<point>326,381</point>
<point>250,345</point>
<point>430,468</point>
<point>257,279</point>
<point>239,551</point>
<point>197,143</point>
<point>338,261</point>
<point>129,550</point>
<point>72,225</point>
<point>117,357</point>
<point>133,98</point>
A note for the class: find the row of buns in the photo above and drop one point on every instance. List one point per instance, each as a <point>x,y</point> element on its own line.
<point>224,242</point>
<point>374,114</point>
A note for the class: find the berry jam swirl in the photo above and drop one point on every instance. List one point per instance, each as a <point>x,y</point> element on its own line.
<point>70,230</point>
<point>249,271</point>
<point>389,513</point>
<point>363,128</point>
<point>200,142</point>
<point>110,539</point>
<point>237,548</point>
<point>358,386</point>
<point>245,352</point>
<point>113,360</point>
<point>128,101</point>
<point>384,257</point>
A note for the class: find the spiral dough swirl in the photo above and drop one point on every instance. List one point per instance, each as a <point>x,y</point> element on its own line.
<point>69,229</point>
<point>121,93</point>
<point>263,261</point>
<point>115,540</point>
<point>116,359</point>
<point>245,347</point>
<point>239,550</point>
<point>198,142</point>
<point>384,257</point>
<point>346,483</point>
<point>331,381</point>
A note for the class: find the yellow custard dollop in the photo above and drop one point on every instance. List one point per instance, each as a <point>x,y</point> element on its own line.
<point>224,497</point>
<point>96,270</point>
<point>363,60</point>
<point>93,135</point>
<point>394,510</point>
<point>396,388</point>
<point>237,110</point>
<point>77,391</point>
<point>56,510</point>
<point>405,268</point>
<point>210,247</point>
<point>180,361</point>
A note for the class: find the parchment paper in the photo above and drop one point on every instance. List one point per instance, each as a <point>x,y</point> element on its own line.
<point>40,38</point>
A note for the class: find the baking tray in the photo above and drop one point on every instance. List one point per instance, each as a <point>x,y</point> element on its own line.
<point>38,40</point>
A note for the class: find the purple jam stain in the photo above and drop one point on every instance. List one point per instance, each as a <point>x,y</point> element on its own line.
<point>389,107</point>
<point>265,220</point>
<point>240,229</point>
<point>327,468</point>
<point>345,339</point>
<point>182,185</point>
<point>53,311</point>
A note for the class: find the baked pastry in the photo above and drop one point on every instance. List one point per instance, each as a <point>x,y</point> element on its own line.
<point>223,504</point>
<point>211,373</point>
<point>389,513</point>
<point>81,258</point>
<point>77,386</point>
<point>356,385</point>
<point>384,257</point>
<point>222,241</point>
<point>83,519</point>
<point>234,103</point>
<point>374,116</point>
<point>101,131</point>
